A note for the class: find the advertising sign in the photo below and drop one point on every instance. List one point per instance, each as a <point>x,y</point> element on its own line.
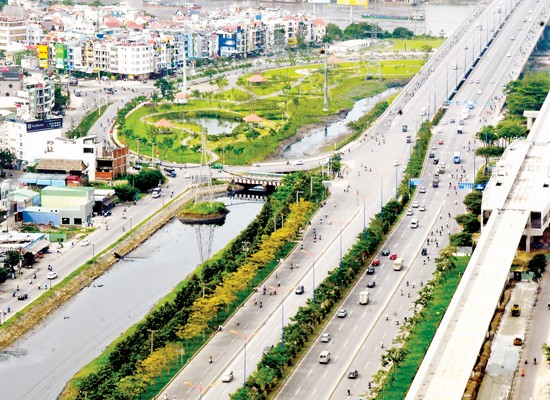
<point>45,125</point>
<point>43,60</point>
<point>60,55</point>
<point>319,1</point>
<point>363,3</point>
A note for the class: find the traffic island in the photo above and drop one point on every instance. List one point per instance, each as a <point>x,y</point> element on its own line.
<point>203,213</point>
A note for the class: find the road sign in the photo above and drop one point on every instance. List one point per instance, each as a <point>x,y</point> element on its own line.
<point>353,2</point>
<point>415,181</point>
<point>465,185</point>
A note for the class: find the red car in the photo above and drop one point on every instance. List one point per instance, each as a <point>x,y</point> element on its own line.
<point>375,263</point>
<point>441,142</point>
<point>393,256</point>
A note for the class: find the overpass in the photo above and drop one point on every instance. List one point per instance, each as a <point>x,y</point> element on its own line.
<point>516,204</point>
<point>251,179</point>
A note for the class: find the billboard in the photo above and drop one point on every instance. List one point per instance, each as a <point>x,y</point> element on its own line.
<point>60,55</point>
<point>319,1</point>
<point>43,60</point>
<point>45,125</point>
<point>364,3</point>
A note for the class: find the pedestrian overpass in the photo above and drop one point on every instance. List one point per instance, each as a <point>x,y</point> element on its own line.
<point>515,209</point>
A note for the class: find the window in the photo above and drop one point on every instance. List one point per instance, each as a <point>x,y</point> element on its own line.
<point>88,150</point>
<point>65,221</point>
<point>78,221</point>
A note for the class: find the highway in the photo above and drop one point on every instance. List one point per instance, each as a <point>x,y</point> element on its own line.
<point>261,327</point>
<point>361,349</point>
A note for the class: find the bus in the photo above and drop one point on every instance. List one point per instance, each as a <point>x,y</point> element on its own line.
<point>171,172</point>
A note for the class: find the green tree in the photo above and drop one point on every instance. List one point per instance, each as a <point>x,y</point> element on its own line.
<point>487,135</point>
<point>3,275</point>
<point>472,201</point>
<point>461,239</point>
<point>402,33</point>
<point>6,158</point>
<point>469,222</point>
<point>333,33</point>
<point>166,88</point>
<point>61,98</point>
<point>510,130</point>
<point>537,265</point>
<point>126,192</point>
<point>426,49</point>
<point>147,179</point>
<point>29,258</point>
<point>528,93</point>
<point>210,74</point>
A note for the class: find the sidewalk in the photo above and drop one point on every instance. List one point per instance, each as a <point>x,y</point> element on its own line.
<point>536,382</point>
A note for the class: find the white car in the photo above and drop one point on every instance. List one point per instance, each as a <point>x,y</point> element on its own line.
<point>325,337</point>
<point>434,146</point>
<point>409,212</point>
<point>84,243</point>
<point>187,175</point>
<point>439,129</point>
<point>416,204</point>
<point>422,208</point>
<point>395,163</point>
<point>422,189</point>
<point>477,80</point>
<point>299,162</point>
<point>444,122</point>
<point>479,91</point>
<point>512,38</point>
<point>492,81</point>
<point>508,55</point>
<point>227,377</point>
<point>52,275</point>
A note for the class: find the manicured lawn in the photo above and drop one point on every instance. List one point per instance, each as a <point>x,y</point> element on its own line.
<point>402,375</point>
<point>415,44</point>
<point>282,114</point>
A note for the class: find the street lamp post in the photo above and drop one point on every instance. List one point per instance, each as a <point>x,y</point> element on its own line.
<point>93,249</point>
<point>245,337</point>
<point>313,271</point>
<point>396,195</point>
<point>297,194</point>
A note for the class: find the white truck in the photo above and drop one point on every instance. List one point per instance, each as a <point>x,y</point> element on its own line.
<point>465,113</point>
<point>364,297</point>
<point>397,264</point>
<point>423,111</point>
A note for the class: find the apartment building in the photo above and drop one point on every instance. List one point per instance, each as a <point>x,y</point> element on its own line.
<point>13,34</point>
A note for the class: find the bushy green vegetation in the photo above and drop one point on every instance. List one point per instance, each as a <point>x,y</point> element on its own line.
<point>537,265</point>
<point>528,93</point>
<point>118,373</point>
<point>204,208</point>
<point>87,122</point>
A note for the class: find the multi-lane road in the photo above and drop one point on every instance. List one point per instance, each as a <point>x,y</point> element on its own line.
<point>356,340</point>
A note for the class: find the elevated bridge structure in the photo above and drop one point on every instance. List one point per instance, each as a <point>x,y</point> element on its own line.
<point>515,208</point>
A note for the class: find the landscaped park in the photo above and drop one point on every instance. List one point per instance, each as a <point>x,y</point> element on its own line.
<point>246,122</point>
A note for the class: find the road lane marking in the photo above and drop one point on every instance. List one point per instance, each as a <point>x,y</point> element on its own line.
<point>346,343</point>
<point>363,316</point>
<point>310,371</point>
<point>366,365</point>
<point>296,393</point>
<point>384,335</point>
<point>325,374</point>
<point>341,326</point>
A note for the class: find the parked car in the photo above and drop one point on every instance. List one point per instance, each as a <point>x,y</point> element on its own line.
<point>23,296</point>
<point>107,213</point>
<point>325,337</point>
<point>227,377</point>
<point>342,313</point>
<point>52,275</point>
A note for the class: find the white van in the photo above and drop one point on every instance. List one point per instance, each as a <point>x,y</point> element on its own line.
<point>414,223</point>
<point>324,357</point>
<point>398,264</point>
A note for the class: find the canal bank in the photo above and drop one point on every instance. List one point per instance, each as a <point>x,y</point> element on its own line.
<point>41,363</point>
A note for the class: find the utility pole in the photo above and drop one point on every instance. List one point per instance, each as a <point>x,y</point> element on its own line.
<point>325,97</point>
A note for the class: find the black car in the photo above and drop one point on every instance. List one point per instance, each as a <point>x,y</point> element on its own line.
<point>300,289</point>
<point>371,284</point>
<point>386,252</point>
<point>436,161</point>
<point>23,296</point>
<point>107,213</point>
<point>424,251</point>
<point>432,155</point>
<point>370,271</point>
<point>353,374</point>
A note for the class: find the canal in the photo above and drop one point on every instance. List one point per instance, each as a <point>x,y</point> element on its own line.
<point>39,365</point>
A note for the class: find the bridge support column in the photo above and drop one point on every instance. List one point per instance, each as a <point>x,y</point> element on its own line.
<point>530,123</point>
<point>528,243</point>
